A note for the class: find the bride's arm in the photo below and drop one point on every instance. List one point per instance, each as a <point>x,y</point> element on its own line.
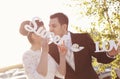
<point>43,63</point>
<point>61,71</point>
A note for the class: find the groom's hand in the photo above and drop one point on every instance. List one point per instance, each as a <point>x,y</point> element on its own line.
<point>114,52</point>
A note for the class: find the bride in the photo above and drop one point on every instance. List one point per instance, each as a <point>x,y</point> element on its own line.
<point>37,62</point>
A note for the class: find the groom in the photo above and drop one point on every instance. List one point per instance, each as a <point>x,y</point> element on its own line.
<point>78,64</point>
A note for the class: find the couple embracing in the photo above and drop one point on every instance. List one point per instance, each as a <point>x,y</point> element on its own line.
<point>51,61</point>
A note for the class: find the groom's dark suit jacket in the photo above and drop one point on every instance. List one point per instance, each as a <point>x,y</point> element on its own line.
<point>83,58</point>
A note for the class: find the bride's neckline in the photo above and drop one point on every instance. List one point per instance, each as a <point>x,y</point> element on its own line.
<point>37,50</point>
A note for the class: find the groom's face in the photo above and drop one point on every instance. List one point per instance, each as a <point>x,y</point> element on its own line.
<point>56,27</point>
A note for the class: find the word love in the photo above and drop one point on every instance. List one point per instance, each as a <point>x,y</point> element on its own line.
<point>111,43</point>
<point>52,37</point>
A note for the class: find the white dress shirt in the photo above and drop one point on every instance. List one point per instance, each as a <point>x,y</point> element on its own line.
<point>69,55</point>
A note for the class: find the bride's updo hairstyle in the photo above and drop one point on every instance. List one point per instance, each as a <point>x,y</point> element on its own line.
<point>22,29</point>
<point>24,32</point>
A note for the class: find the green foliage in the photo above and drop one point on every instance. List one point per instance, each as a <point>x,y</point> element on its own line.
<point>105,26</point>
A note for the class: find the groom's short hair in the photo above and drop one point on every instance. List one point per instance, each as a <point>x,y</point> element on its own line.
<point>62,18</point>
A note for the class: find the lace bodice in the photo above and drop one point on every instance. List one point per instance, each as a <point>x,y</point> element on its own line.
<point>30,63</point>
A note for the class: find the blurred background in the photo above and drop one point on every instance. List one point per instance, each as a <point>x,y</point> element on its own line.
<point>100,18</point>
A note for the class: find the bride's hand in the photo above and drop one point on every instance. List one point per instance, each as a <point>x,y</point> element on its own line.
<point>62,49</point>
<point>45,47</point>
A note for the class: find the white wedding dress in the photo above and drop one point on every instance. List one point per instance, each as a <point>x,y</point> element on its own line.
<point>30,62</point>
